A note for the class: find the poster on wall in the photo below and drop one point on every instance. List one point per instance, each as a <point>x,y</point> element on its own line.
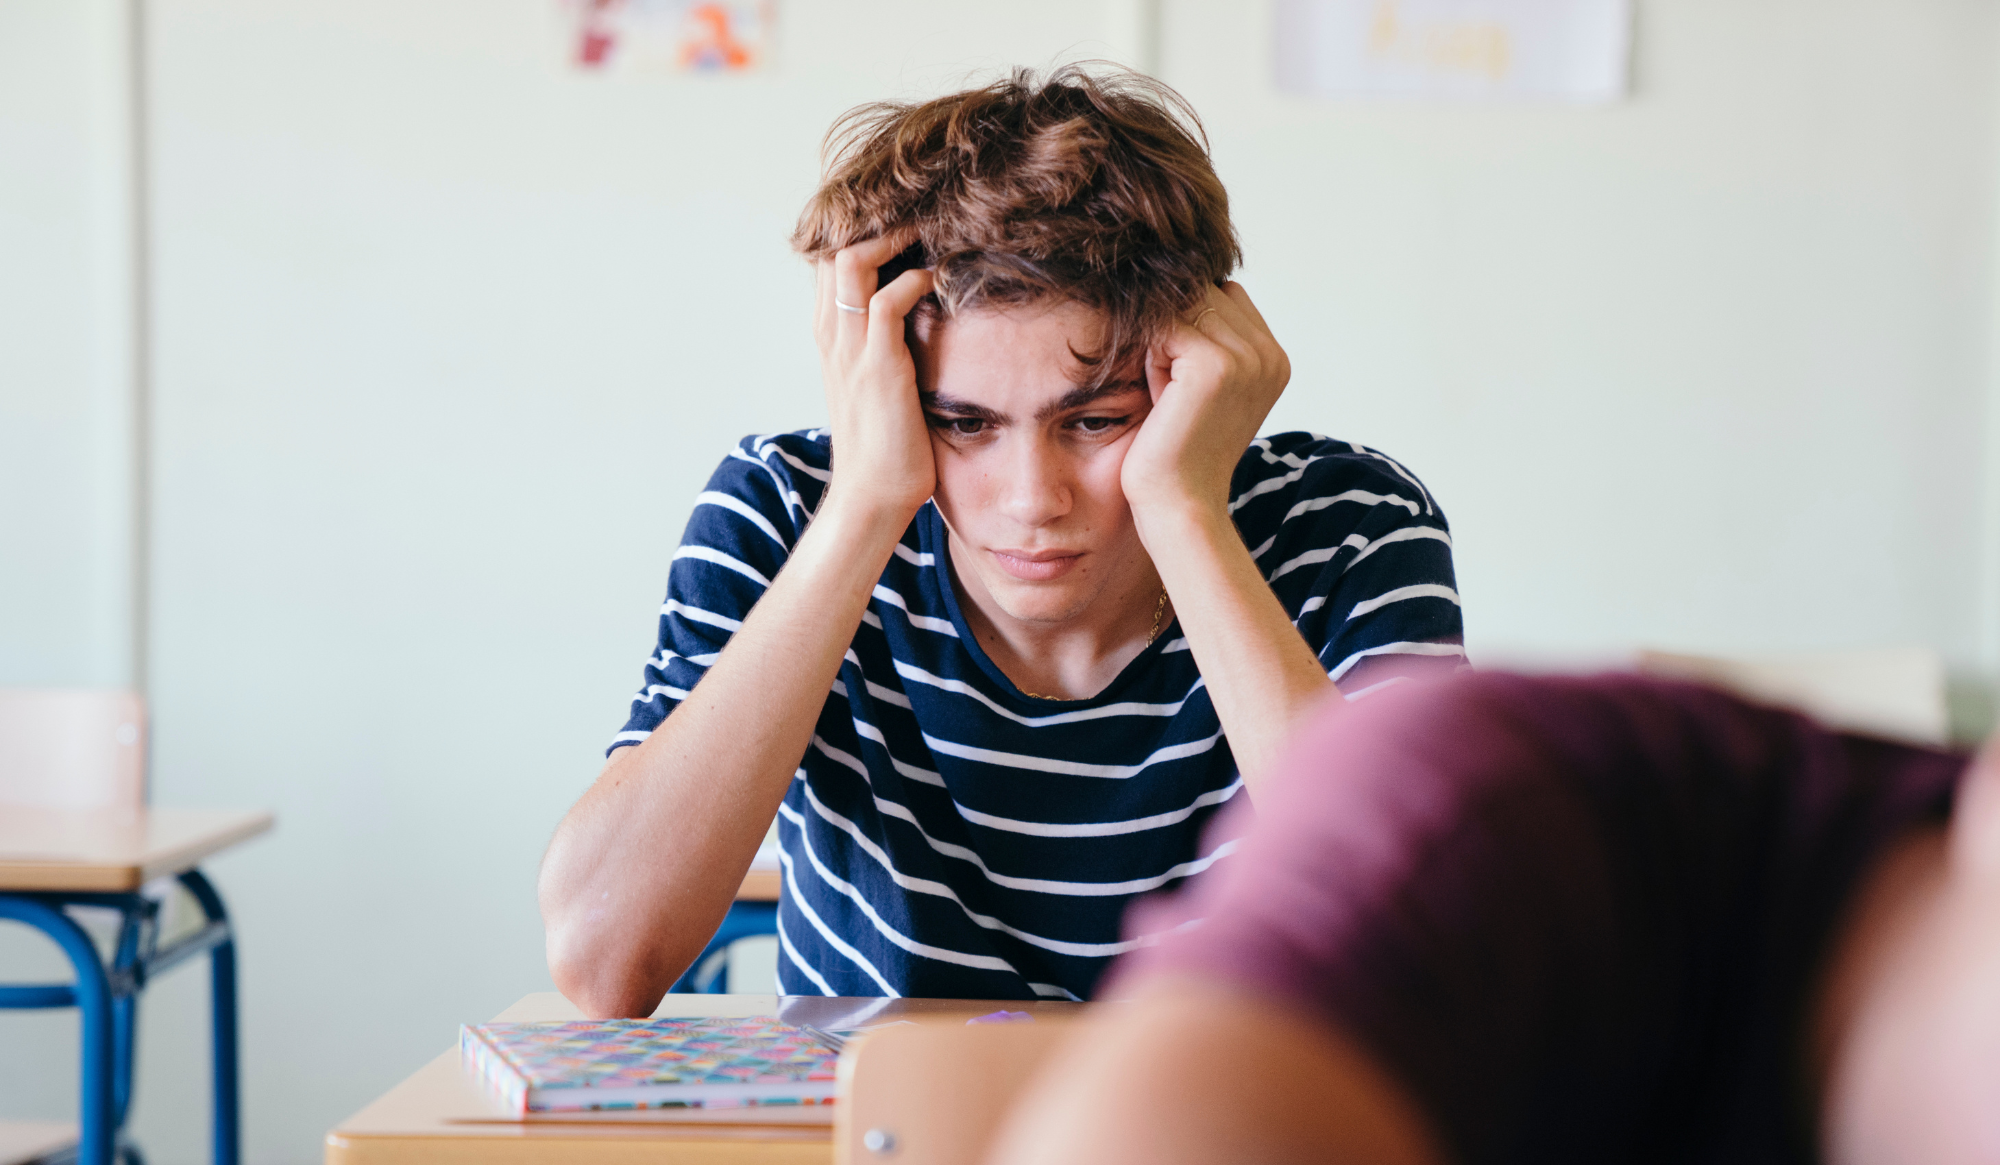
<point>1477,50</point>
<point>667,36</point>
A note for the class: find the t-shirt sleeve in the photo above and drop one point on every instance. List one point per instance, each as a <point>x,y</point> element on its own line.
<point>1361,558</point>
<point>741,531</point>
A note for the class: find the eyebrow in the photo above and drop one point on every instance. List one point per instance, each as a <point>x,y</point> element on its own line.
<point>1075,398</point>
<point>938,402</point>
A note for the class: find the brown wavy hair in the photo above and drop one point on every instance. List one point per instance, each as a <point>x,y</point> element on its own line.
<point>1092,184</point>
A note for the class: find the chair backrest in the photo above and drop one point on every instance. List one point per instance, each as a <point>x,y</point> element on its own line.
<point>1895,692</point>
<point>72,748</point>
<point>936,1092</point>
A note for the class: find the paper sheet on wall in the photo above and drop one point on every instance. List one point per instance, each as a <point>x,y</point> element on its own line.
<point>1565,50</point>
<point>667,36</point>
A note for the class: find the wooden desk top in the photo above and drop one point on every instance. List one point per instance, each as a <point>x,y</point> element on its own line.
<point>442,1114</point>
<point>759,886</point>
<point>67,849</point>
<point>26,1142</point>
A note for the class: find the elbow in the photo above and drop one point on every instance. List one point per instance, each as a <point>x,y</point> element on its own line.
<point>593,959</point>
<point>604,982</point>
<point>600,996</point>
<point>612,951</point>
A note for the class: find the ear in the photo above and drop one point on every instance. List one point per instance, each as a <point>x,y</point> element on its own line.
<point>1975,821</point>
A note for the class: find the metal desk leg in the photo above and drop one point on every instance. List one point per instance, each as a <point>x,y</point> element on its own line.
<point>222,1017</point>
<point>92,993</point>
<point>136,927</point>
<point>744,920</point>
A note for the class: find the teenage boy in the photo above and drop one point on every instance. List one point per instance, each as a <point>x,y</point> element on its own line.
<point>995,644</point>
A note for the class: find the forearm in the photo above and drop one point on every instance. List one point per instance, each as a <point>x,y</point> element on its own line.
<point>647,862</point>
<point>1259,673</point>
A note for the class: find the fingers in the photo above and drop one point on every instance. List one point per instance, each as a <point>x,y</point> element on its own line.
<point>860,348</point>
<point>882,248</point>
<point>1241,298</point>
<point>889,306</point>
<point>823,303</point>
<point>1216,320</point>
<point>1237,325</point>
<point>1223,339</point>
<point>853,286</point>
<point>1159,369</point>
<point>1226,321</point>
<point>854,273</point>
<point>1234,302</point>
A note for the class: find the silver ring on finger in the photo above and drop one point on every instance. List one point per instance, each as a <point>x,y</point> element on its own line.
<point>862,311</point>
<point>1195,323</point>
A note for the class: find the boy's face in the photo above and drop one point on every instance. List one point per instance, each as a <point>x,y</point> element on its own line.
<point>1027,462</point>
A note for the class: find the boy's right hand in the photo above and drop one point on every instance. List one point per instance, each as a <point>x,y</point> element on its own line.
<point>881,444</point>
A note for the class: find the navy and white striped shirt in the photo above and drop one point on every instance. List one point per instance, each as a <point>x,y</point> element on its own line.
<point>945,835</point>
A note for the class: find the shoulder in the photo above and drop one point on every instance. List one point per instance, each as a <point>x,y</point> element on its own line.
<point>778,477</point>
<point>1280,473</point>
<point>804,453</point>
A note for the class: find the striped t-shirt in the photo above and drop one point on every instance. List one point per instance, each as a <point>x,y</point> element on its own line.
<point>946,835</point>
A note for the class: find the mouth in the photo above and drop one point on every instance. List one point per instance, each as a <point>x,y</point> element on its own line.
<point>1036,565</point>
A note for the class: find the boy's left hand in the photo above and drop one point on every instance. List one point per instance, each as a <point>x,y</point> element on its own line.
<point>1213,380</point>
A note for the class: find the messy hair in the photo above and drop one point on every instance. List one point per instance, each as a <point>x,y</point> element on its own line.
<point>1092,185</point>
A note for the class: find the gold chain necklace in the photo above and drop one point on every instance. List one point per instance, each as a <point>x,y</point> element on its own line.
<point>1159,612</point>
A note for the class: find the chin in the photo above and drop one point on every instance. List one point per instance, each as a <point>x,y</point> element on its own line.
<point>1033,604</point>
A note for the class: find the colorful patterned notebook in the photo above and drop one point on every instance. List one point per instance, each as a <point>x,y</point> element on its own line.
<point>699,1062</point>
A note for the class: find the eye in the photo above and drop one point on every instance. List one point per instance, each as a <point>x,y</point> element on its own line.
<point>958,426</point>
<point>1096,425</point>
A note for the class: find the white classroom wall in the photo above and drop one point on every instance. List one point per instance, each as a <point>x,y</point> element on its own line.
<point>65,417</point>
<point>447,338</point>
<point>65,288</point>
<point>1705,370</point>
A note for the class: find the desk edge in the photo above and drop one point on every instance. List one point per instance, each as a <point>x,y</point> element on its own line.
<point>28,876</point>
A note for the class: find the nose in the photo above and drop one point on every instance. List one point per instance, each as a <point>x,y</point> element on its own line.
<point>1038,489</point>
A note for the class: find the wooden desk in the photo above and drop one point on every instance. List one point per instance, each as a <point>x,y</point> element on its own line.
<point>441,1114</point>
<point>63,849</point>
<point>759,886</point>
<point>766,873</point>
<point>68,851</point>
<point>24,1142</point>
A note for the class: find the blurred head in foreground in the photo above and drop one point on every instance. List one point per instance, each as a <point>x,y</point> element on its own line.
<point>1611,919</point>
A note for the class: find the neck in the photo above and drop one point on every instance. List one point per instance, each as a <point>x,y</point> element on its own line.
<point>1072,658</point>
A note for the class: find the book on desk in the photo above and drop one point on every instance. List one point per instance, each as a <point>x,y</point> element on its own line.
<point>673,1062</point>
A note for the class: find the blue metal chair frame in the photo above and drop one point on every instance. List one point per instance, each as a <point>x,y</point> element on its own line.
<point>744,920</point>
<point>108,998</point>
